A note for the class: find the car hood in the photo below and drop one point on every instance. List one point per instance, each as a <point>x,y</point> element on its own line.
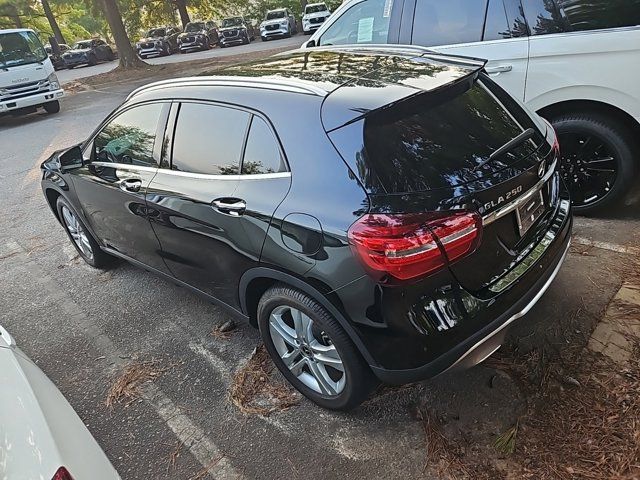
<point>225,29</point>
<point>187,34</point>
<point>274,20</point>
<point>150,39</point>
<point>316,15</point>
<point>77,50</point>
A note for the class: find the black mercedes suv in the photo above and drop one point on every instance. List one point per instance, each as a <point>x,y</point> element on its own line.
<point>391,230</point>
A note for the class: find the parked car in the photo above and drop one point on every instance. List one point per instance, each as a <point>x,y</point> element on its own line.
<point>56,59</point>
<point>278,23</point>
<point>236,31</point>
<point>158,41</point>
<point>42,435</point>
<point>408,214</point>
<point>198,36</point>
<point>555,55</point>
<point>314,15</point>
<point>88,52</point>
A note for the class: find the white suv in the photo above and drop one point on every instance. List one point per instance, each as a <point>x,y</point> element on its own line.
<point>314,16</point>
<point>575,62</point>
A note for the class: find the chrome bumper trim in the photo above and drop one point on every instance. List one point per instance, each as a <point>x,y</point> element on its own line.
<point>514,317</point>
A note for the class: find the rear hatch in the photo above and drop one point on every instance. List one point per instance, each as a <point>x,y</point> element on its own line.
<point>466,145</point>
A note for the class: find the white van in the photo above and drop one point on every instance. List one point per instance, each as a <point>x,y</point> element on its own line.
<point>27,78</point>
<point>575,62</point>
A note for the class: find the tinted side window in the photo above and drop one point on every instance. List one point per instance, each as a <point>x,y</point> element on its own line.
<point>599,14</point>
<point>515,14</point>
<point>543,17</point>
<point>365,22</point>
<point>438,22</point>
<point>496,26</point>
<point>262,154</point>
<point>129,137</point>
<point>208,139</point>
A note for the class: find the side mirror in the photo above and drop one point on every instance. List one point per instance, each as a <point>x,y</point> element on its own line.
<point>70,159</point>
<point>311,44</point>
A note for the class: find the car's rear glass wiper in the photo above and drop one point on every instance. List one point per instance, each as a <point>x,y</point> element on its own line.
<point>507,147</point>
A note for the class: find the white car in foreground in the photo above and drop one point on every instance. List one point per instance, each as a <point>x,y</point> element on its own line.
<point>41,436</point>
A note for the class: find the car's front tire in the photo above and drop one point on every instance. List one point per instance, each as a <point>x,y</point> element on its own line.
<point>597,160</point>
<point>80,237</point>
<point>52,107</point>
<point>312,350</point>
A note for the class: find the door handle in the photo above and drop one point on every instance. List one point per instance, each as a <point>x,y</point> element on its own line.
<point>499,69</point>
<point>230,206</point>
<point>131,184</point>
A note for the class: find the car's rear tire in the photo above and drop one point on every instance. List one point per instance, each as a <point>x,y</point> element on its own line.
<point>324,365</point>
<point>597,160</point>
<point>52,107</point>
<point>80,237</point>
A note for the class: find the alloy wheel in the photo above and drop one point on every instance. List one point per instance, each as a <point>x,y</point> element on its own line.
<point>588,166</point>
<point>308,353</point>
<point>77,232</point>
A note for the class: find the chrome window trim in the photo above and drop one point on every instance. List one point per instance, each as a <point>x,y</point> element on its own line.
<point>124,166</point>
<point>203,176</point>
<point>501,212</point>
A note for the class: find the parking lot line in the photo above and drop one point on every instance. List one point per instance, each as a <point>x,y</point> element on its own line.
<point>195,440</point>
<point>612,247</point>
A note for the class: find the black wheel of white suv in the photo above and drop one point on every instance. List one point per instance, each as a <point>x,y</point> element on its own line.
<point>312,350</point>
<point>79,235</point>
<point>597,160</point>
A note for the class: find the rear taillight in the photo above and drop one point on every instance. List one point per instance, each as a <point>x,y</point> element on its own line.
<point>411,245</point>
<point>62,474</point>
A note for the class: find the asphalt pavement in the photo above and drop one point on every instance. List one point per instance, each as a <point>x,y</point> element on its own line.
<point>257,45</point>
<point>82,325</point>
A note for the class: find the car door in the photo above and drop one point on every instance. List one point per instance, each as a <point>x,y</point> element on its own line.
<point>210,219</point>
<point>121,160</point>
<point>491,29</point>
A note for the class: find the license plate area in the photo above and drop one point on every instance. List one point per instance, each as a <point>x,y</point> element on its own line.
<point>528,213</point>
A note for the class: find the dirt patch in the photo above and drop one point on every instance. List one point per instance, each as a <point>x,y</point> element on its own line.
<point>127,385</point>
<point>582,421</point>
<point>150,73</point>
<point>255,390</point>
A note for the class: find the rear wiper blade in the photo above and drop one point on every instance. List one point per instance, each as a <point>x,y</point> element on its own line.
<point>510,145</point>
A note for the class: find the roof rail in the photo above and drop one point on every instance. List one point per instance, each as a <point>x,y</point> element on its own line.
<point>395,49</point>
<point>230,81</point>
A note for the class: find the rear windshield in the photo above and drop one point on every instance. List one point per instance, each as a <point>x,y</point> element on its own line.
<point>437,141</point>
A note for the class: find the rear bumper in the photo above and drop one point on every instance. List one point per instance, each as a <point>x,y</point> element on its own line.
<point>35,100</point>
<point>477,346</point>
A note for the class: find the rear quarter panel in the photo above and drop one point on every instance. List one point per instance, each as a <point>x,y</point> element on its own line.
<point>602,65</point>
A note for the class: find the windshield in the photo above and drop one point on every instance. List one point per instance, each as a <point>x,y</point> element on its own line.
<point>275,14</point>
<point>232,22</point>
<point>81,45</point>
<point>156,32</point>
<point>194,27</point>
<point>316,8</point>
<point>20,48</point>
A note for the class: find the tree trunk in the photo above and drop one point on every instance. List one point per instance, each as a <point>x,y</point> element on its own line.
<point>52,21</point>
<point>128,57</point>
<point>303,3</point>
<point>182,10</point>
